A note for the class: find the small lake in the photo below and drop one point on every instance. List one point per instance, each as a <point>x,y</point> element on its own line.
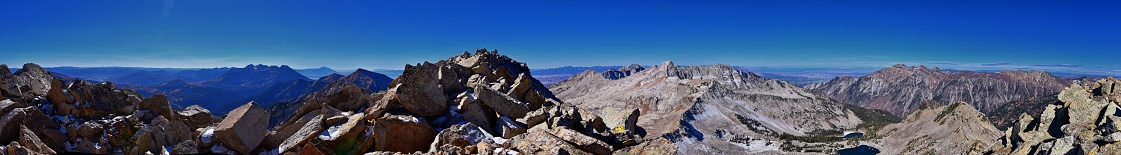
<point>859,150</point>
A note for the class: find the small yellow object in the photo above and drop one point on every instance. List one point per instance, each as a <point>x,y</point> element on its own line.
<point>619,129</point>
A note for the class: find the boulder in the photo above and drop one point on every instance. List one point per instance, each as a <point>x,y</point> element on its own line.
<point>1085,111</point>
<point>7,106</point>
<point>56,96</point>
<point>583,142</point>
<point>197,116</point>
<point>418,91</point>
<point>32,143</point>
<point>297,134</point>
<point>243,128</point>
<point>27,116</point>
<point>401,133</point>
<point>522,89</point>
<point>185,147</point>
<point>95,101</point>
<point>35,78</point>
<point>174,131</point>
<point>535,117</point>
<point>501,103</point>
<point>509,128</point>
<point>158,104</point>
<point>542,142</point>
<point>310,149</point>
<point>459,135</point>
<point>346,137</point>
<point>150,139</point>
<point>622,121</point>
<point>659,146</point>
<point>478,114</point>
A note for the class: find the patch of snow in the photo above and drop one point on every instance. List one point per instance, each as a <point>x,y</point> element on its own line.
<point>499,140</point>
<point>346,113</point>
<point>369,130</point>
<point>505,151</point>
<point>331,133</point>
<point>506,121</point>
<point>207,135</point>
<point>220,149</point>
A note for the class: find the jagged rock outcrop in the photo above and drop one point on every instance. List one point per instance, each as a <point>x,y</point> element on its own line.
<point>939,129</point>
<point>901,89</point>
<point>1083,122</point>
<point>707,109</point>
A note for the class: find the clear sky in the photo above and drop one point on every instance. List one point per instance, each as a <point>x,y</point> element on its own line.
<point>344,34</point>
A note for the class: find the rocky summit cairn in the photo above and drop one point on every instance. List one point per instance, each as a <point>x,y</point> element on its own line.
<point>1085,121</point>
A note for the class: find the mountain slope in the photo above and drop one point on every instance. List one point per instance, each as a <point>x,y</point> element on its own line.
<point>181,93</point>
<point>253,79</point>
<point>710,109</point>
<point>316,72</point>
<point>146,78</point>
<point>939,129</point>
<point>901,89</point>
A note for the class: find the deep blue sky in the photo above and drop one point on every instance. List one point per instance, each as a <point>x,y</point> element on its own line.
<point>1082,35</point>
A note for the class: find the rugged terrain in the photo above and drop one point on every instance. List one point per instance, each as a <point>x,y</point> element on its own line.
<point>939,129</point>
<point>472,103</point>
<point>1085,121</point>
<point>901,89</point>
<point>713,109</point>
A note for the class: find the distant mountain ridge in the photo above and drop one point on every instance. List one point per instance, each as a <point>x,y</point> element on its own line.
<point>900,89</point>
<point>253,79</point>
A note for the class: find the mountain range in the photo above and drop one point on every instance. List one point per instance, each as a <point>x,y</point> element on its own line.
<point>487,103</point>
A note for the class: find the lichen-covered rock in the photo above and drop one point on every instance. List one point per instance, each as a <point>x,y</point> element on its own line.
<point>243,128</point>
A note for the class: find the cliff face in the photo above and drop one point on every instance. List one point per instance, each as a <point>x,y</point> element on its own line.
<point>901,89</point>
<point>710,109</point>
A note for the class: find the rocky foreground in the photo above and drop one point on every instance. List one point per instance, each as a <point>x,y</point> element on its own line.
<point>481,103</point>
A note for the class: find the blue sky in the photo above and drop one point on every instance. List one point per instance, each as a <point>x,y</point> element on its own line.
<point>1049,35</point>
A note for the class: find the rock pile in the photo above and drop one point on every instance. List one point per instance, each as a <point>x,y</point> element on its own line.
<point>481,103</point>
<point>43,115</point>
<point>1086,121</point>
